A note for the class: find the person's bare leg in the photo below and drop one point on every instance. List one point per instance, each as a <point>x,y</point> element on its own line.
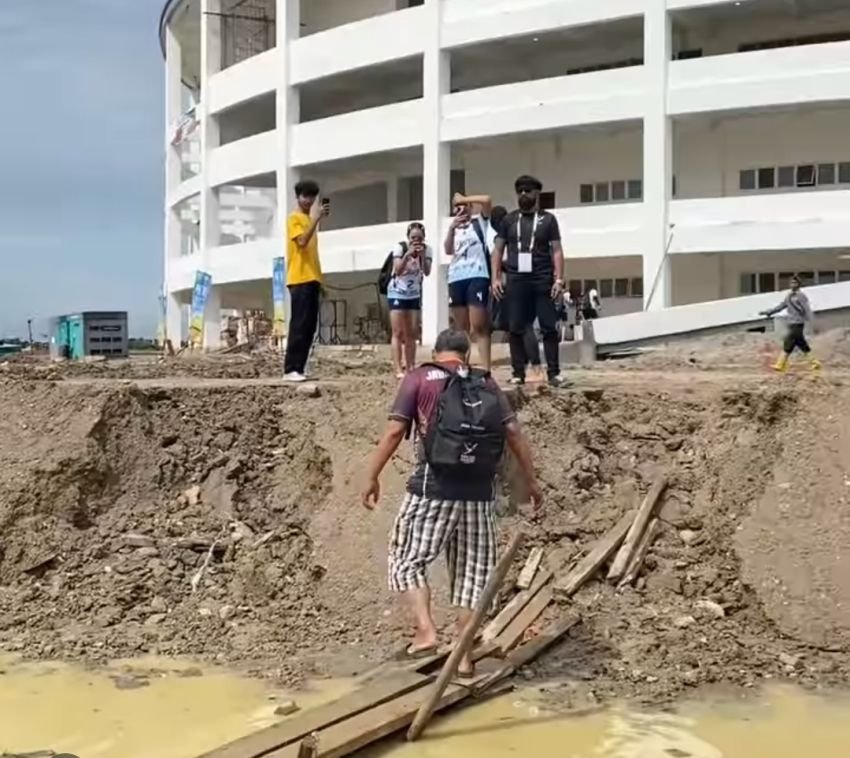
<point>466,665</point>
<point>397,326</point>
<point>419,602</point>
<point>410,340</point>
<point>460,316</point>
<point>479,319</point>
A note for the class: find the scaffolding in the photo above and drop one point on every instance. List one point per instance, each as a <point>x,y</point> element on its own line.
<point>247,29</point>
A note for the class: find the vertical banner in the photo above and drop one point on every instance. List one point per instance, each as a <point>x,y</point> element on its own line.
<point>279,295</point>
<point>200,295</point>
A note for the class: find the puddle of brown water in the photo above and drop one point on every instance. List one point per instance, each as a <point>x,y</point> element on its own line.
<point>63,708</point>
<point>51,706</point>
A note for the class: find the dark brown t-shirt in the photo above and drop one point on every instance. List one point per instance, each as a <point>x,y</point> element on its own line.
<point>415,403</point>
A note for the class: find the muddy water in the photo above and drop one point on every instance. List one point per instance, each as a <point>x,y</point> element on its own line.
<point>163,709</point>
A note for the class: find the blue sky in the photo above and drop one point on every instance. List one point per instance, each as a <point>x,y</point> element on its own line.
<point>81,141</point>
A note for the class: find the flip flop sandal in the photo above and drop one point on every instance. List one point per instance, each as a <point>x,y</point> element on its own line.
<point>412,653</point>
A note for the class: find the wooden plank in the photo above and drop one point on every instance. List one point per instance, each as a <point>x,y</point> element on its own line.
<point>467,638</point>
<point>529,651</point>
<point>602,551</point>
<point>427,665</point>
<point>359,731</point>
<point>526,576</point>
<point>640,553</point>
<point>514,631</point>
<point>516,604</point>
<point>638,527</point>
<point>292,730</point>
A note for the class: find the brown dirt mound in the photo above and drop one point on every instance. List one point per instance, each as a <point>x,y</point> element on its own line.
<point>112,498</point>
<point>251,365</point>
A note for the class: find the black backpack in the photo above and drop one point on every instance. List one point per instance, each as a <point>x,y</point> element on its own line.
<point>386,275</point>
<point>466,434</point>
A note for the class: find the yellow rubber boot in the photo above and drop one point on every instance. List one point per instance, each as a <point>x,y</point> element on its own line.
<point>781,365</point>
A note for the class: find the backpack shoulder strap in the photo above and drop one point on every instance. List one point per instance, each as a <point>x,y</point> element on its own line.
<point>479,232</point>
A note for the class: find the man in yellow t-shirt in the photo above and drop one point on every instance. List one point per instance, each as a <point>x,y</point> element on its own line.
<point>303,277</point>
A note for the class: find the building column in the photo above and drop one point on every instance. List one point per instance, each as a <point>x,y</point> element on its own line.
<point>436,171</point>
<point>172,230</point>
<point>287,114</point>
<point>210,231</point>
<point>174,321</point>
<point>657,157</point>
<point>392,199</point>
<point>212,319</point>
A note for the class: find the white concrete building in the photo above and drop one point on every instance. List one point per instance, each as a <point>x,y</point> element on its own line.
<point>693,150</point>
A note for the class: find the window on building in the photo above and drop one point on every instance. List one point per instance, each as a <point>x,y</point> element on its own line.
<point>767,282</point>
<point>574,287</point>
<point>601,192</point>
<point>844,172</point>
<point>586,193</point>
<point>618,190</point>
<point>767,178</point>
<point>747,179</point>
<point>590,284</point>
<point>844,276</point>
<point>606,288</point>
<point>785,279</point>
<point>748,284</point>
<point>547,201</point>
<point>826,173</point>
<point>786,176</point>
<point>635,189</point>
<point>806,175</point>
<point>807,278</point>
<point>684,55</point>
<point>827,277</point>
<point>621,288</point>
<point>808,39</point>
<point>637,287</point>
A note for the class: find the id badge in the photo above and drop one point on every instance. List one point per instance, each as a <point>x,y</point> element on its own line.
<point>524,263</point>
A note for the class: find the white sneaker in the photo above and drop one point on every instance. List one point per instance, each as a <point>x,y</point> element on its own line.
<point>295,377</point>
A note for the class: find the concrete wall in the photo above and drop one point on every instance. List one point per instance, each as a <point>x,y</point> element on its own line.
<point>318,15</point>
<point>359,206</point>
<point>714,276</point>
<point>562,162</point>
<point>709,154</point>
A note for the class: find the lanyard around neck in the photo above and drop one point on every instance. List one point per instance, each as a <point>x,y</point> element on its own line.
<point>533,232</point>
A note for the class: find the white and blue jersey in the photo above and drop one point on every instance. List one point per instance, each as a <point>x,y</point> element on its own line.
<point>470,256</point>
<point>407,285</point>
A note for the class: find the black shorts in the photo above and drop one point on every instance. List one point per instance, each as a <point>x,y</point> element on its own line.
<point>404,304</point>
<point>471,293</point>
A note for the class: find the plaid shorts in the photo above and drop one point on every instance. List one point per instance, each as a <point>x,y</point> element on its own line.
<point>425,527</point>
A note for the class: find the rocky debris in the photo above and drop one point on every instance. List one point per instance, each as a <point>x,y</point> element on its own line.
<point>286,708</point>
<point>710,608</point>
<point>121,496</point>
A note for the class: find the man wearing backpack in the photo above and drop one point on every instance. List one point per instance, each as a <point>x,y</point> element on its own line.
<point>463,422</point>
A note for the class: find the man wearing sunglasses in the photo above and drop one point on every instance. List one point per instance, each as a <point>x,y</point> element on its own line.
<point>530,240</point>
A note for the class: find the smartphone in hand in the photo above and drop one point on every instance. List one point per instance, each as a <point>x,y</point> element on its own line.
<point>326,205</point>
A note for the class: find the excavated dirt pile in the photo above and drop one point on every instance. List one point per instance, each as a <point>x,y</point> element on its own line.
<point>223,523</point>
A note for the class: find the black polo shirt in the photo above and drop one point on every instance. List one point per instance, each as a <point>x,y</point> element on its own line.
<point>546,233</point>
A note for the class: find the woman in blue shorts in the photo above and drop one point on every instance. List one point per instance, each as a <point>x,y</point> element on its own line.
<point>411,261</point>
<point>469,270</point>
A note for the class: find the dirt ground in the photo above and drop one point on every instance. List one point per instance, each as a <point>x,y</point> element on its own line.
<point>199,507</point>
